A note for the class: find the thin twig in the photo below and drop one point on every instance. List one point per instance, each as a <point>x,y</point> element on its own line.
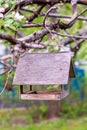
<point>70,36</point>
<point>47,13</point>
<point>73,20</point>
<point>63,16</point>
<point>6,82</point>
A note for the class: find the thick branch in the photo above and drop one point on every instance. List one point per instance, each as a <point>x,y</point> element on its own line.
<point>26,2</point>
<point>23,44</point>
<point>9,38</point>
<point>35,36</point>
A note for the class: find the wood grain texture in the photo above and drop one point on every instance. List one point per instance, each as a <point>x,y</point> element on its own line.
<point>45,95</point>
<point>40,97</point>
<point>43,69</point>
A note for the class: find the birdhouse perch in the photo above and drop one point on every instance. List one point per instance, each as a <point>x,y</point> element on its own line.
<point>44,69</point>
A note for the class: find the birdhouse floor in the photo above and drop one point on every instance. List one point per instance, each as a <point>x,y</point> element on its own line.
<point>44,95</point>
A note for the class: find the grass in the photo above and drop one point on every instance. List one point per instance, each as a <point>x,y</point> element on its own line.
<point>55,124</point>
<point>21,120</point>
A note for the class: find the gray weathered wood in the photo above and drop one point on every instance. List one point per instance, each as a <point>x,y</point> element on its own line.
<point>42,95</point>
<point>43,69</point>
<point>45,95</point>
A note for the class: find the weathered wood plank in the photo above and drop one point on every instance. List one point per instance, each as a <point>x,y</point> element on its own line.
<point>43,69</point>
<point>40,96</point>
<point>45,95</point>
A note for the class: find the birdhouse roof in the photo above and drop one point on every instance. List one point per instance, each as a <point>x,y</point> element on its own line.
<point>43,69</point>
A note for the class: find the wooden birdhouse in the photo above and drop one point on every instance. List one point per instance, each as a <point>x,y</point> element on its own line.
<point>44,69</point>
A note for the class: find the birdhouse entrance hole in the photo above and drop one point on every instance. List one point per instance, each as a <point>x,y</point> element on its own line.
<point>44,69</point>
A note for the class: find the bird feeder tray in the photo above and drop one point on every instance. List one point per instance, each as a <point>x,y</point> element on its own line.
<point>45,95</point>
<point>44,69</point>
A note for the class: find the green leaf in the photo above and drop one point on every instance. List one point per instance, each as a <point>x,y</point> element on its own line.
<point>16,24</point>
<point>1,22</point>
<point>8,22</point>
<point>13,27</point>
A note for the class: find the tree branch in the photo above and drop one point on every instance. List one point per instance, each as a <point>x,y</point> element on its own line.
<point>9,38</point>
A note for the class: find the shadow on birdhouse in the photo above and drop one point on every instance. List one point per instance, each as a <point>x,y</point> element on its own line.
<point>44,69</point>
